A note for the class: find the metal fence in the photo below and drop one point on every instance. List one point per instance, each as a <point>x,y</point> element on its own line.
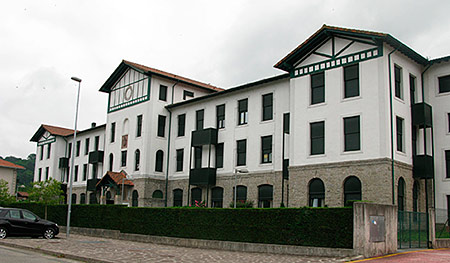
<point>442,224</point>
<point>412,230</point>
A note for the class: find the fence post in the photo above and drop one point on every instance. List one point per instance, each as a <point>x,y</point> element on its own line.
<point>432,227</point>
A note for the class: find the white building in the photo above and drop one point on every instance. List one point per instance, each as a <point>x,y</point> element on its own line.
<point>348,121</point>
<point>8,173</point>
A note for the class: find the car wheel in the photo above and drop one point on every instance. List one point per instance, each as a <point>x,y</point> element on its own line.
<point>3,232</point>
<point>49,233</point>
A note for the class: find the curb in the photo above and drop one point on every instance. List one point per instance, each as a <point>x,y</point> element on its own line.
<point>55,254</point>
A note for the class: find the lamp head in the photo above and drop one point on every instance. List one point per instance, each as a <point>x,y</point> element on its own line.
<point>76,79</point>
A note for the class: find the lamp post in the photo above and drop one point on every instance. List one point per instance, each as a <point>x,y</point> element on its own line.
<point>72,163</point>
<point>236,171</point>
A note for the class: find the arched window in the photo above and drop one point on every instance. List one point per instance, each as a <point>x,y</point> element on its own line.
<point>159,161</point>
<point>83,199</point>
<point>157,194</point>
<point>74,198</point>
<point>265,196</point>
<point>134,198</point>
<point>401,194</point>
<point>92,198</point>
<point>352,189</point>
<point>137,159</point>
<point>196,195</point>
<point>217,197</point>
<point>316,193</point>
<point>111,160</point>
<point>416,196</point>
<point>125,127</point>
<point>241,194</point>
<point>177,197</point>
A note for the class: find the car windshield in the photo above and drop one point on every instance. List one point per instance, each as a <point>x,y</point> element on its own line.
<point>28,215</point>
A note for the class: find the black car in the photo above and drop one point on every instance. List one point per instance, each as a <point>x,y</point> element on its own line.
<point>21,222</point>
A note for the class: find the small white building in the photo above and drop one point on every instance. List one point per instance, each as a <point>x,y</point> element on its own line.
<point>8,173</point>
<point>357,115</point>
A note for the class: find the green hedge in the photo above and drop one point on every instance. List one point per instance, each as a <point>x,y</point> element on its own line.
<point>319,227</point>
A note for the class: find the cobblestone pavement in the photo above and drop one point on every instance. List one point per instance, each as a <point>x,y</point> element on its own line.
<point>95,249</point>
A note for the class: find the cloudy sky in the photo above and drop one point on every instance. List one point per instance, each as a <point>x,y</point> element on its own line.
<point>225,43</point>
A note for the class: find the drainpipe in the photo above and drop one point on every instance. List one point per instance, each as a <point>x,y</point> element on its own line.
<point>392,125</point>
<point>168,147</point>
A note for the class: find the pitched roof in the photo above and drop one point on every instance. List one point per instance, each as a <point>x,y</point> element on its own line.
<point>7,164</point>
<point>54,130</point>
<point>22,194</point>
<point>325,32</point>
<point>124,65</point>
<point>117,178</point>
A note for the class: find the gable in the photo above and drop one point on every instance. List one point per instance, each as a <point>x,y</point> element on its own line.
<point>46,138</point>
<point>131,88</point>
<point>336,51</point>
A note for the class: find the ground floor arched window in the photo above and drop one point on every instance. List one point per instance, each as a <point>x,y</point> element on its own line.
<point>401,194</point>
<point>217,197</point>
<point>316,193</point>
<point>74,198</point>
<point>416,196</point>
<point>92,198</point>
<point>83,199</point>
<point>352,189</point>
<point>177,197</point>
<point>196,195</point>
<point>265,196</point>
<point>134,198</point>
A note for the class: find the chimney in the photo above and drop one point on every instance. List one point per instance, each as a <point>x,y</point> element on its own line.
<point>93,125</point>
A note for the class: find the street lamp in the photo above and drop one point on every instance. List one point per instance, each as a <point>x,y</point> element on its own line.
<point>236,171</point>
<point>72,163</point>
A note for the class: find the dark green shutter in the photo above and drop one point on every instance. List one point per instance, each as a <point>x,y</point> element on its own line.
<point>444,84</point>
<point>219,155</point>
<point>241,152</point>
<point>267,107</point>
<point>318,88</point>
<point>317,132</point>
<point>181,124</point>
<point>351,81</point>
<point>352,133</point>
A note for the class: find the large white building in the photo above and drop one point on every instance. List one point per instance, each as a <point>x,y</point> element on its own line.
<point>358,115</point>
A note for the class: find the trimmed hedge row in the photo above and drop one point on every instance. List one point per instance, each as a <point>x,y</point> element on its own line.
<point>318,227</point>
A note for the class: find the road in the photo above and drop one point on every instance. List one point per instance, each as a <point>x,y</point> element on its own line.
<point>14,255</point>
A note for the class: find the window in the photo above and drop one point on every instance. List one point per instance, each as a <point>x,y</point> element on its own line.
<point>412,88</point>
<point>317,133</point>
<point>180,155</point>
<point>162,92</point>
<point>316,193</point>
<point>111,161</point>
<point>241,152</point>
<point>49,147</point>
<point>74,198</point>
<point>401,194</point>
<point>159,161</point>
<point>187,94</point>
<point>14,214</point>
<point>177,197</point>
<point>137,159</point>
<point>199,115</point>
<point>157,194</point>
<point>217,197</point>
<point>161,125</point>
<point>267,107</point>
<point>124,159</point>
<point>265,196</point>
<point>351,81</point>
<point>82,199</point>
<point>113,132</point>
<point>85,171</point>
<point>398,82</point>
<point>181,124</point>
<point>196,194</point>
<point>241,194</point>
<point>96,142</point>
<point>352,134</point>
<point>352,189</point>
<point>95,167</point>
<point>399,125</point>
<point>77,149</point>
<point>416,196</point>
<point>448,122</point>
<point>318,88</point>
<point>92,198</point>
<point>42,152</point>
<point>134,198</point>
<point>219,155</point>
<point>266,149</point>
<point>40,174</point>
<point>197,157</point>
<point>75,176</point>
<point>242,112</point>
<point>220,116</point>
<point>86,146</point>
<point>139,126</point>
<point>444,84</point>
<point>447,163</point>
<point>67,174</point>
<point>28,215</point>
<point>70,150</point>
<point>47,171</point>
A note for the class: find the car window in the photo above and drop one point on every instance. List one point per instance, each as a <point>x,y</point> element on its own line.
<point>14,214</point>
<point>28,215</point>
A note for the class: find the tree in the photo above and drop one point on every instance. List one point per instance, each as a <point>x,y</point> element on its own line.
<point>46,192</point>
<point>5,197</point>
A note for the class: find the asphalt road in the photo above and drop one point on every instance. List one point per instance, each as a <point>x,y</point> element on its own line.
<point>14,255</point>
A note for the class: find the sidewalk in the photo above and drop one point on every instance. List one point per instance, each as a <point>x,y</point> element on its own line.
<point>95,249</point>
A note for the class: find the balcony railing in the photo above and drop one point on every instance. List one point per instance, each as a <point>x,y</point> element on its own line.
<point>96,157</point>
<point>202,176</point>
<point>423,167</point>
<point>204,137</point>
<point>422,115</point>
<point>63,162</point>
<point>91,184</point>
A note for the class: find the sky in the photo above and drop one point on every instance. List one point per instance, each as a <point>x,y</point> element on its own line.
<point>224,43</point>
